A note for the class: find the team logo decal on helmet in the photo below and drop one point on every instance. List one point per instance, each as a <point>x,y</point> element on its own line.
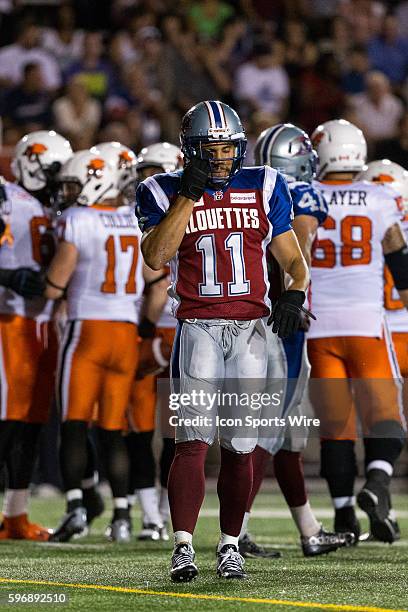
<point>37,148</point>
<point>96,167</point>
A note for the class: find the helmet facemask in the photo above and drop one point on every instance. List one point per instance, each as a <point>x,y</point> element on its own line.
<point>195,148</point>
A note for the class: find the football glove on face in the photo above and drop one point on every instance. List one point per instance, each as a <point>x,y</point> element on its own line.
<point>287,313</point>
<point>194,178</point>
<point>24,281</point>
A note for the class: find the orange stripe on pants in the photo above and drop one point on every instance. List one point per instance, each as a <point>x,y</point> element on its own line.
<point>27,367</point>
<point>97,363</point>
<point>373,394</point>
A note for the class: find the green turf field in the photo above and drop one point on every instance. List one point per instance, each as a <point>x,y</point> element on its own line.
<point>370,576</point>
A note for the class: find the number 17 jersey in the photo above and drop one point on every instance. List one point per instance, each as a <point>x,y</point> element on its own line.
<point>348,263</point>
<point>107,283</point>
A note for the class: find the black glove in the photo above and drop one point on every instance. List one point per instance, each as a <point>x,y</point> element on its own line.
<point>24,281</point>
<point>194,178</point>
<point>287,313</point>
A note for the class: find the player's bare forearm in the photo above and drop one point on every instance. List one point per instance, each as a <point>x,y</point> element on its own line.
<point>160,244</point>
<point>286,250</point>
<point>305,228</point>
<point>61,269</point>
<point>393,239</point>
<point>156,295</point>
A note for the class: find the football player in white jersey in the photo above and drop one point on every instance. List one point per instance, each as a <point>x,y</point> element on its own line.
<point>28,341</point>
<point>354,370</point>
<point>389,173</point>
<point>155,353</point>
<point>288,149</point>
<point>98,267</point>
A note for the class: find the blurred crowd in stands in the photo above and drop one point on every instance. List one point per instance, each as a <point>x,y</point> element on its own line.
<point>127,70</point>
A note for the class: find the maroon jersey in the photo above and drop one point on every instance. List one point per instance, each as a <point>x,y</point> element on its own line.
<point>220,269</point>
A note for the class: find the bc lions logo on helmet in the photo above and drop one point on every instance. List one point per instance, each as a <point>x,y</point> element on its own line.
<point>37,148</point>
<point>124,160</point>
<point>96,166</point>
<point>317,138</point>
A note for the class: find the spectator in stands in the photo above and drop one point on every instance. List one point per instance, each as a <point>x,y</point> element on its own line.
<point>262,84</point>
<point>27,50</point>
<point>208,17</point>
<point>377,110</point>
<point>28,105</point>
<point>64,42</point>
<point>77,115</point>
<point>389,51</point>
<point>353,81</point>
<point>96,73</point>
<point>396,149</point>
<point>318,92</point>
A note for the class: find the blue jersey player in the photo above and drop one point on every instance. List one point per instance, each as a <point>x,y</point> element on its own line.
<point>289,150</point>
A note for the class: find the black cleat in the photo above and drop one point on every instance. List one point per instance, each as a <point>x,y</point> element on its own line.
<point>230,564</point>
<point>183,568</point>
<point>73,523</point>
<point>346,521</point>
<point>325,542</point>
<point>374,499</point>
<point>93,503</point>
<point>251,550</point>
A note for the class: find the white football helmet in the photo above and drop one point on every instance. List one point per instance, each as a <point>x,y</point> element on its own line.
<point>341,147</point>
<point>88,178</point>
<point>386,172</point>
<point>38,157</point>
<point>162,155</point>
<point>122,159</point>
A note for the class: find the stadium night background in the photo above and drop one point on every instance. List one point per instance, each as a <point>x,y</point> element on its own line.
<point>203,295</point>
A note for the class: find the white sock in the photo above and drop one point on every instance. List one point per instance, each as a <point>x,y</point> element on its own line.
<point>121,503</point>
<point>305,520</point>
<point>149,503</point>
<point>89,483</point>
<point>73,494</point>
<point>380,464</point>
<point>344,502</point>
<point>15,502</point>
<point>183,536</point>
<point>164,507</point>
<point>131,500</point>
<point>244,528</point>
<point>227,539</point>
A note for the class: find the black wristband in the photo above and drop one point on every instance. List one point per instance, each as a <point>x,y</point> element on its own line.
<point>49,282</point>
<point>147,329</point>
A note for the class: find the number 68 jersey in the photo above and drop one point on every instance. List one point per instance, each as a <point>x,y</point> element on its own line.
<point>348,263</point>
<point>219,271</point>
<point>107,283</point>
